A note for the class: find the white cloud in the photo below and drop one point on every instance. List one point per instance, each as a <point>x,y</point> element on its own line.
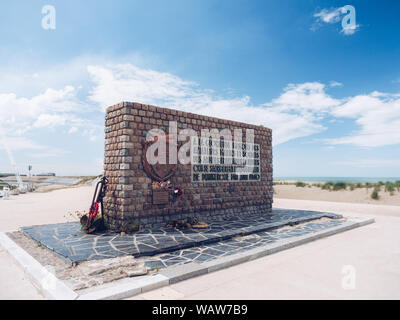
<point>332,15</point>
<point>297,112</point>
<point>50,120</point>
<point>19,114</point>
<point>309,97</point>
<point>335,84</point>
<point>50,109</point>
<point>378,116</point>
<point>72,130</point>
<point>349,30</point>
<point>335,15</point>
<point>131,82</point>
<point>290,116</point>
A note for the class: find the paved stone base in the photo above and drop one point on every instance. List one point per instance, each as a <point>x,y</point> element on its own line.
<point>175,273</point>
<point>67,241</point>
<point>240,244</point>
<point>183,264</point>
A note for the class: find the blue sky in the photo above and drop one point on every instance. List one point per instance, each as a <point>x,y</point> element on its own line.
<point>331,97</point>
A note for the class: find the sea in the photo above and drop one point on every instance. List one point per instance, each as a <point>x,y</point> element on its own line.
<point>335,179</point>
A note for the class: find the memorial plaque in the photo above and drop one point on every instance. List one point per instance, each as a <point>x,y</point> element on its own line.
<point>215,160</point>
<point>160,196</point>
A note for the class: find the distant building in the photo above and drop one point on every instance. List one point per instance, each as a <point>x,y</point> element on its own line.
<point>48,174</point>
<point>5,175</point>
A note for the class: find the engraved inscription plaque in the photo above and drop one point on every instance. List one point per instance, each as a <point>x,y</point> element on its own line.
<point>217,160</point>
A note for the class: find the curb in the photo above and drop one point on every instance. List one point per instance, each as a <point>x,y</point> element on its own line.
<point>126,290</point>
<point>49,284</point>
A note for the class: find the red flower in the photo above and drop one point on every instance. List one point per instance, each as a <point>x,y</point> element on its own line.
<point>178,192</point>
<point>94,210</point>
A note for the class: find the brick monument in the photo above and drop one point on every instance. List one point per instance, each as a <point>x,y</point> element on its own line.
<point>206,174</point>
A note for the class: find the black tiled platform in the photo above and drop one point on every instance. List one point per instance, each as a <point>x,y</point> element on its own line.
<point>236,245</point>
<point>69,242</point>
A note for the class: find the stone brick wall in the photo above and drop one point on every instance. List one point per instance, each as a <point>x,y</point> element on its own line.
<point>129,199</point>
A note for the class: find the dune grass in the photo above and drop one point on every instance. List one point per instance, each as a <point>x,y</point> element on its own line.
<point>388,186</point>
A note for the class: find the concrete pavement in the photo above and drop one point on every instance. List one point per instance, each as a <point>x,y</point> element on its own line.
<point>30,209</point>
<point>14,283</point>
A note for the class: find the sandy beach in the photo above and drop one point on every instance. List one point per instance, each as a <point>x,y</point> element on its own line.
<point>43,207</point>
<point>358,195</point>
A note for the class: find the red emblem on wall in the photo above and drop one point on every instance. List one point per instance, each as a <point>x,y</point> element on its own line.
<point>159,172</point>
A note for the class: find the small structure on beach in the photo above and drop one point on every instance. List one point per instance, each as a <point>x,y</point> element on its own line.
<point>165,164</point>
